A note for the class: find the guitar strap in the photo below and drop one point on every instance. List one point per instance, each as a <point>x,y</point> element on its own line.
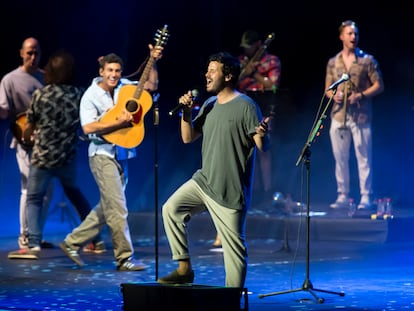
<point>139,70</point>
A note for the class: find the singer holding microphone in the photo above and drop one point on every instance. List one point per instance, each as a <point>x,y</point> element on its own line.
<point>353,78</point>
<point>232,128</point>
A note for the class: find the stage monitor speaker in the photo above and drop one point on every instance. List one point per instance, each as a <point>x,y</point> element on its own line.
<point>155,296</point>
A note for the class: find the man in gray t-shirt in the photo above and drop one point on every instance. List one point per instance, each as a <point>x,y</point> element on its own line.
<point>231,131</point>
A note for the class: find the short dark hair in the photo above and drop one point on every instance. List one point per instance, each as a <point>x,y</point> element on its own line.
<point>60,68</point>
<point>110,58</point>
<point>231,65</point>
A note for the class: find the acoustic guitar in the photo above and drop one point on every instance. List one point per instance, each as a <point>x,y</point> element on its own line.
<point>21,131</point>
<point>136,101</point>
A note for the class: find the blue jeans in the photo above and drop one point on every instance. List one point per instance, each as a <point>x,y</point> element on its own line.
<point>38,183</point>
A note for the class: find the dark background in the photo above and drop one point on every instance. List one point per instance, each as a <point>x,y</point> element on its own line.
<point>306,35</point>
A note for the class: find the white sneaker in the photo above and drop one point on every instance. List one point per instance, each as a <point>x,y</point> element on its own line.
<point>341,201</point>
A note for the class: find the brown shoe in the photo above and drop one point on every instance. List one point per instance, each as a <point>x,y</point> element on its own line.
<point>175,278</point>
<point>217,242</point>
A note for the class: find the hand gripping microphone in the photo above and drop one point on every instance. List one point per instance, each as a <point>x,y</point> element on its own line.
<point>194,94</point>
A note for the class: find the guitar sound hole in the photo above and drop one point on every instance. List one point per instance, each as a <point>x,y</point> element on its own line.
<point>131,106</point>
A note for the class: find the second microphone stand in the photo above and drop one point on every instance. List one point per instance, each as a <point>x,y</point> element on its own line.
<point>156,124</point>
<point>305,157</point>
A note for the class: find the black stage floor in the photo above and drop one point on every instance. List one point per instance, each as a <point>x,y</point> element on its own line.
<point>355,263</point>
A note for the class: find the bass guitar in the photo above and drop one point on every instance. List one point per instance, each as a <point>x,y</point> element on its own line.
<point>21,130</point>
<point>136,101</point>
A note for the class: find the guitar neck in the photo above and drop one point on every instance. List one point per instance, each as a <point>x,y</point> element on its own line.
<point>258,54</point>
<point>161,38</point>
<point>144,77</point>
<point>136,101</point>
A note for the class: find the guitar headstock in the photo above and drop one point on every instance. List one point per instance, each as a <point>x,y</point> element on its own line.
<point>269,39</point>
<point>161,36</point>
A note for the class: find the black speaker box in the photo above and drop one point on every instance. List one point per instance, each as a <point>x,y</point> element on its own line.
<point>155,296</point>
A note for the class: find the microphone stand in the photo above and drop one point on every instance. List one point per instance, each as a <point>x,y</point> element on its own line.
<point>305,157</point>
<point>156,123</point>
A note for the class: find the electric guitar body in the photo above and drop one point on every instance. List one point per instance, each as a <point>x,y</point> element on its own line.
<point>136,101</point>
<point>21,131</point>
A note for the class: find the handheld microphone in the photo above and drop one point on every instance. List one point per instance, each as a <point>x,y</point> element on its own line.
<point>345,77</point>
<point>194,94</point>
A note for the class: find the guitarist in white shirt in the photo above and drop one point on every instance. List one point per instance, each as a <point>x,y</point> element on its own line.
<point>107,169</point>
